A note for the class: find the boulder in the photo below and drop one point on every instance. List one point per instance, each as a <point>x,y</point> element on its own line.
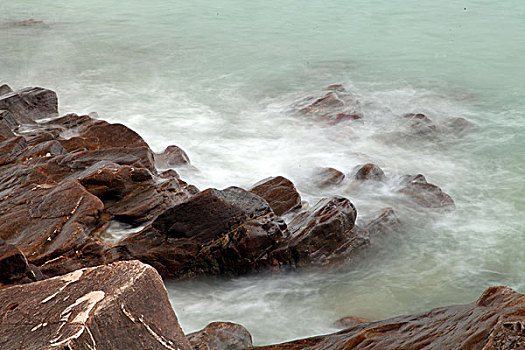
<point>172,157</point>
<point>324,235</point>
<point>279,192</point>
<point>119,306</point>
<point>31,103</point>
<point>494,321</point>
<point>427,195</point>
<point>221,336</point>
<point>370,172</point>
<point>349,321</point>
<point>327,177</point>
<point>226,232</point>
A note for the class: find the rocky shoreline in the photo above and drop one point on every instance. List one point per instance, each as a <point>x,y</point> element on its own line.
<point>65,179</point>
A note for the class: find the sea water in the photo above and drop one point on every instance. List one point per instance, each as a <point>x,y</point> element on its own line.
<point>218,79</point>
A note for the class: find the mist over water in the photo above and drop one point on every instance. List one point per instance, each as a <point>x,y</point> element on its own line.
<point>219,79</point>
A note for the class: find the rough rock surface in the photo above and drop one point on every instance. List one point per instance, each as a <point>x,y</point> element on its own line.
<point>495,321</point>
<point>34,103</point>
<point>221,336</point>
<point>279,192</point>
<point>214,232</point>
<point>324,235</point>
<point>327,177</point>
<point>119,306</point>
<point>425,194</point>
<point>14,267</point>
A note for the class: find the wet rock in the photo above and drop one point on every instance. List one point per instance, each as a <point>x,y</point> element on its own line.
<point>327,177</point>
<point>425,194</point>
<point>31,103</point>
<point>221,336</point>
<point>420,124</point>
<point>5,89</point>
<point>493,322</point>
<point>324,235</point>
<point>11,149</point>
<point>113,136</point>
<point>336,87</point>
<point>279,192</point>
<point>14,267</point>
<point>349,321</point>
<point>119,306</point>
<point>323,104</point>
<point>385,223</point>
<point>215,232</point>
<point>459,126</point>
<point>172,157</point>
<point>342,117</point>
<point>370,172</point>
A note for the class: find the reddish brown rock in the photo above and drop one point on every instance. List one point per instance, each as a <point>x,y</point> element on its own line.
<point>385,223</point>
<point>425,194</point>
<point>113,136</point>
<point>324,104</point>
<point>279,192</point>
<point>221,336</point>
<point>215,232</point>
<point>172,157</point>
<point>120,306</point>
<point>494,322</point>
<point>421,125</point>
<point>349,321</point>
<point>31,103</point>
<point>327,177</point>
<point>324,235</point>
<point>370,172</point>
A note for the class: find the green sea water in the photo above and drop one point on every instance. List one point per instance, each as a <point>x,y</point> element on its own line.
<point>217,78</point>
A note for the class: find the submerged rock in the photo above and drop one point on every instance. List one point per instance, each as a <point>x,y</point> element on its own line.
<point>385,223</point>
<point>327,177</point>
<point>279,192</point>
<point>425,194</point>
<point>495,321</point>
<point>119,306</point>
<point>370,172</point>
<point>349,321</point>
<point>221,336</point>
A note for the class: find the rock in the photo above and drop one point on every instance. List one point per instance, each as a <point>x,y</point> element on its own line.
<point>113,136</point>
<point>31,103</point>
<point>279,192</point>
<point>495,321</point>
<point>119,306</point>
<point>370,172</point>
<point>459,126</point>
<point>5,89</point>
<point>327,177</point>
<point>221,336</point>
<point>385,223</point>
<point>323,104</point>
<point>28,23</point>
<point>342,117</point>
<point>336,87</point>
<point>421,125</point>
<point>215,232</point>
<point>349,321</point>
<point>324,235</point>
<point>425,194</point>
<point>172,157</point>
<point>13,266</point>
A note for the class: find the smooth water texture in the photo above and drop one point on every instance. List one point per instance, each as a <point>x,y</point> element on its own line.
<point>218,78</point>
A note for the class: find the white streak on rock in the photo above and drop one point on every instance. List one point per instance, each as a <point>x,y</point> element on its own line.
<point>69,278</point>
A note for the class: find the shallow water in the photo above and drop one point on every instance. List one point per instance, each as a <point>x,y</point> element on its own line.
<point>218,79</point>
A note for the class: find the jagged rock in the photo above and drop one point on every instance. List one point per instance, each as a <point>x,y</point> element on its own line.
<point>327,177</point>
<point>279,192</point>
<point>324,235</point>
<point>349,321</point>
<point>14,267</point>
<point>214,232</point>
<point>221,336</point>
<point>370,172</point>
<point>495,321</point>
<point>119,306</point>
<point>31,103</point>
<point>425,194</point>
<point>172,157</point>
<point>324,104</point>
<point>385,223</point>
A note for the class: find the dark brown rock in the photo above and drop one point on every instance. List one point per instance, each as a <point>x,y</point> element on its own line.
<point>13,266</point>
<point>495,321</point>
<point>31,103</point>
<point>324,235</point>
<point>370,172</point>
<point>327,177</point>
<point>215,232</point>
<point>425,194</point>
<point>279,192</point>
<point>172,157</point>
<point>120,306</point>
<point>385,223</point>
<point>349,321</point>
<point>221,336</point>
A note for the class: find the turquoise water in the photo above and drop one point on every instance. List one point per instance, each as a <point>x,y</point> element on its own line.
<point>218,79</point>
